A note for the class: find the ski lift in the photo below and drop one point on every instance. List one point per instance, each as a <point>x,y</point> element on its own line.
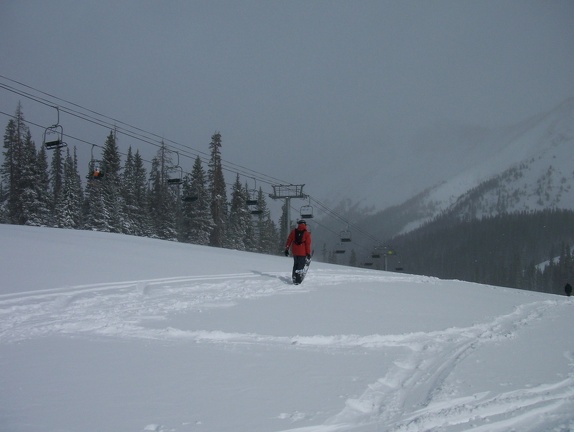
<point>175,174</point>
<point>189,198</point>
<point>253,200</point>
<point>345,236</point>
<point>306,211</point>
<point>340,249</point>
<point>176,178</point>
<point>376,254</point>
<point>54,135</point>
<point>368,264</point>
<point>95,167</point>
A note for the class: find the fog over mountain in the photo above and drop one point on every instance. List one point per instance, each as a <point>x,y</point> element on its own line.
<point>451,159</point>
<point>469,171</point>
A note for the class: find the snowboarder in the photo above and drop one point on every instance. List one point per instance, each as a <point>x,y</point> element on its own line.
<point>299,240</point>
<point>568,289</point>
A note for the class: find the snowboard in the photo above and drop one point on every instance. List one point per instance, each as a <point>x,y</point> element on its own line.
<point>303,272</point>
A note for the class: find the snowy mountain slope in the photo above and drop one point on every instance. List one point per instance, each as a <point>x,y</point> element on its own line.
<point>529,166</point>
<point>111,332</point>
<point>533,168</point>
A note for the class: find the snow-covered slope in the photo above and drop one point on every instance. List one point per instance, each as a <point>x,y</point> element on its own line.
<point>532,168</point>
<point>117,333</point>
<point>529,166</point>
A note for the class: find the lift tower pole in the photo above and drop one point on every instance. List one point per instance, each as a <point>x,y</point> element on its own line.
<point>286,192</point>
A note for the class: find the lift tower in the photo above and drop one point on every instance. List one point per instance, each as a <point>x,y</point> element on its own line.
<point>286,192</point>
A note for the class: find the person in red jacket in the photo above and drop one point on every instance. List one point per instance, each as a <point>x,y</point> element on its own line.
<point>299,240</point>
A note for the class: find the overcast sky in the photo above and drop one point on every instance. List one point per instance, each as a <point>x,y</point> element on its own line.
<point>296,88</point>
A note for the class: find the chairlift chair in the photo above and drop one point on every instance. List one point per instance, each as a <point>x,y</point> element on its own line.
<point>253,203</point>
<point>253,200</point>
<point>54,135</point>
<point>177,178</point>
<point>306,212</point>
<point>189,198</point>
<point>95,169</point>
<point>346,236</point>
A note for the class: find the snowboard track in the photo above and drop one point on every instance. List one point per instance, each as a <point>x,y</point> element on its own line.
<point>412,396</point>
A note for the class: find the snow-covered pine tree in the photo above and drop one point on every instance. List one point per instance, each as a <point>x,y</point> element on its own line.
<point>45,211</point>
<point>69,210</point>
<point>197,222</point>
<point>162,204</point>
<point>239,218</point>
<point>95,211</point>
<point>134,193</point>
<point>217,191</point>
<point>33,187</point>
<point>111,184</point>
<point>56,183</point>
<point>266,230</point>
<point>2,203</point>
<point>14,141</point>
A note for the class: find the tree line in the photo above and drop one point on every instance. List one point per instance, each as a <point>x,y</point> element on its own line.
<point>164,203</point>
<point>528,250</point>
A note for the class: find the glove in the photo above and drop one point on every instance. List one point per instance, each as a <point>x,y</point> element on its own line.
<point>287,252</point>
<point>308,257</point>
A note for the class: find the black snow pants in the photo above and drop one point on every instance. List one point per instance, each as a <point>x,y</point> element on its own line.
<point>298,264</point>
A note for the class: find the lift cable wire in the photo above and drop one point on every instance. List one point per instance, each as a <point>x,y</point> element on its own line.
<point>156,140</point>
<point>80,140</point>
<point>133,131</point>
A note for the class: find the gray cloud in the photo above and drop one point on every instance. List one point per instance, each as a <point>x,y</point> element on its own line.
<point>302,90</point>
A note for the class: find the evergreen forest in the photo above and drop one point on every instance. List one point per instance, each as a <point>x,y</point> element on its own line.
<point>40,187</point>
<point>530,250</point>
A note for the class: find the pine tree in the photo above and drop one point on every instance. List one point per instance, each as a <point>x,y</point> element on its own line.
<point>69,210</point>
<point>14,143</point>
<point>57,182</point>
<point>162,200</point>
<point>239,218</point>
<point>134,196</point>
<point>266,230</point>
<point>111,184</point>
<point>197,222</point>
<point>2,203</point>
<point>45,210</point>
<point>218,192</point>
<point>95,210</point>
<point>353,259</point>
<point>33,186</point>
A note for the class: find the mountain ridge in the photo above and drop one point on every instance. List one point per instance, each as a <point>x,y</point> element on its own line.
<point>529,167</point>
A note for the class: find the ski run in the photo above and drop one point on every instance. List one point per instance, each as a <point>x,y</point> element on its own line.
<point>110,332</point>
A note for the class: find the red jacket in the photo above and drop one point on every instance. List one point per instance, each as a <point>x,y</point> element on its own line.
<point>299,249</point>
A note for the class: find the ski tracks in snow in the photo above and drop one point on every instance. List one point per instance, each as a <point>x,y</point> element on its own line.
<point>413,395</point>
<point>119,309</point>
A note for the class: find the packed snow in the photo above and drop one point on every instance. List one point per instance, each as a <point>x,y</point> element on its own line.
<point>107,332</point>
